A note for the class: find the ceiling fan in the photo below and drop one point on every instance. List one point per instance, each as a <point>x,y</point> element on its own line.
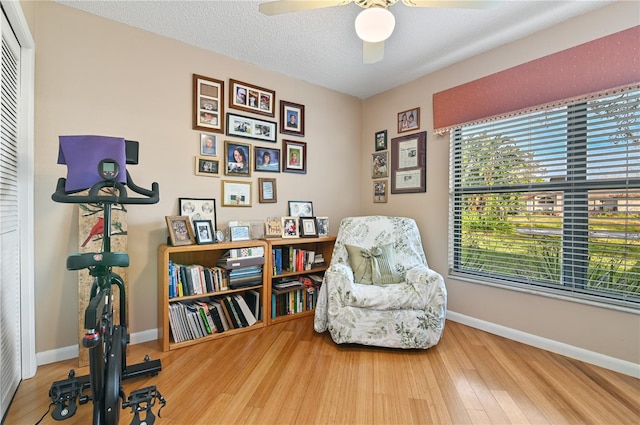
<point>374,24</point>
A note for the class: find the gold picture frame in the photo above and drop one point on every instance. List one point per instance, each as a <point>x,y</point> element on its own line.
<point>180,230</point>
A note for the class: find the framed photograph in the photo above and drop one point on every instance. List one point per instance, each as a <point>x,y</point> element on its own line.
<point>379,165</point>
<point>208,104</point>
<point>239,233</point>
<point>409,163</point>
<point>208,144</point>
<point>291,118</point>
<point>237,159</point>
<point>199,209</point>
<point>301,208</point>
<point>295,157</point>
<point>204,232</point>
<point>266,159</point>
<point>273,228</point>
<point>206,166</point>
<point>250,98</point>
<point>308,227</point>
<point>409,120</point>
<point>180,231</point>
<point>322,223</point>
<point>268,193</point>
<point>236,193</point>
<point>381,140</point>
<point>290,227</point>
<point>380,191</point>
<point>251,128</point>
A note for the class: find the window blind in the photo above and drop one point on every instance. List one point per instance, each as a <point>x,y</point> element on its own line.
<point>551,199</point>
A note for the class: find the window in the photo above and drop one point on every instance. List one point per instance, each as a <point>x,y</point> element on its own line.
<point>551,200</point>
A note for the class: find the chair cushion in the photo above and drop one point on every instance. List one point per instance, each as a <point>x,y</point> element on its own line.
<point>375,265</point>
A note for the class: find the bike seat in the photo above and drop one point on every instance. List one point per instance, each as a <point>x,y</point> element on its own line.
<point>90,259</point>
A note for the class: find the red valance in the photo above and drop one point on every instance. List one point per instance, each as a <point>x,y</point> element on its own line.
<point>599,65</point>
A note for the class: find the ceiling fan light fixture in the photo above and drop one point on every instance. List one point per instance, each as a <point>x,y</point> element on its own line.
<point>375,24</point>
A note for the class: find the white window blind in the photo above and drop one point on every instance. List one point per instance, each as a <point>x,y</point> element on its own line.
<point>551,200</point>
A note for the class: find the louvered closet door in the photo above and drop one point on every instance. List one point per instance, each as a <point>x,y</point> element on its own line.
<point>10,356</point>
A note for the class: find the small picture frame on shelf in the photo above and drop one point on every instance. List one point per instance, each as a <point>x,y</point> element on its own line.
<point>273,228</point>
<point>290,227</point>
<point>239,233</point>
<point>322,224</point>
<point>204,232</point>
<point>301,208</point>
<point>180,231</point>
<point>308,227</point>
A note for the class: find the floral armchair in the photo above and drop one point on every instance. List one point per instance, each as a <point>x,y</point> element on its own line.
<point>378,289</point>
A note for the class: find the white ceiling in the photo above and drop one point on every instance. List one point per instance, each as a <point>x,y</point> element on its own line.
<point>320,46</point>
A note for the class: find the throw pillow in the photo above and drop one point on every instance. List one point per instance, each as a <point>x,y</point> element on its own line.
<point>375,265</point>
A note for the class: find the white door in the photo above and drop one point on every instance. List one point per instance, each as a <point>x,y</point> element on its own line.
<point>10,280</point>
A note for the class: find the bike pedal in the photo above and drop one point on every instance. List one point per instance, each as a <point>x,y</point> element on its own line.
<point>64,410</point>
<point>142,400</point>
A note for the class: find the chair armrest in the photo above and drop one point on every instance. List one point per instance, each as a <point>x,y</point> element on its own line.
<point>427,283</point>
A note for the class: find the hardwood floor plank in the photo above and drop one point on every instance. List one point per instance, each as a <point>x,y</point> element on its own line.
<point>288,374</point>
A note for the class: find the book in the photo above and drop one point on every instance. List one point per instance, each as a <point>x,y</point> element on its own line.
<point>233,263</point>
<point>218,312</point>
<point>253,301</point>
<point>245,252</point>
<point>249,317</point>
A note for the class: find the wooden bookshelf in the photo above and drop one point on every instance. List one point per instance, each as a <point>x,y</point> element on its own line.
<point>207,256</point>
<point>322,245</point>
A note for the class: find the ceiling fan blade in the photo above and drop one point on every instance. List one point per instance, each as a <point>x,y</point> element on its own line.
<point>453,4</point>
<point>372,52</point>
<point>287,6</point>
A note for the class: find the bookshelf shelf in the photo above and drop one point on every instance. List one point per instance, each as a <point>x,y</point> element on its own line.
<point>206,256</point>
<point>322,245</point>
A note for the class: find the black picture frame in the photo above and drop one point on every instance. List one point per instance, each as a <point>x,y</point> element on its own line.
<point>259,162</point>
<point>308,227</point>
<point>204,232</point>
<point>301,209</point>
<point>251,128</point>
<point>199,209</point>
<point>380,141</point>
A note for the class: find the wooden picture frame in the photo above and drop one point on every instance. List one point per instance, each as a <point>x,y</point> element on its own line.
<point>273,228</point>
<point>251,128</point>
<point>380,191</point>
<point>251,98</point>
<point>267,191</point>
<point>379,165</point>
<point>208,144</point>
<point>208,104</point>
<point>199,209</point>
<point>294,157</point>
<point>204,231</point>
<point>180,231</point>
<point>291,118</point>
<point>237,159</point>
<point>409,163</point>
<point>266,159</point>
<point>301,208</point>
<point>308,227</point>
<point>206,166</point>
<point>409,120</point>
<point>236,193</point>
<point>380,141</point>
<point>322,223</point>
<point>290,227</point>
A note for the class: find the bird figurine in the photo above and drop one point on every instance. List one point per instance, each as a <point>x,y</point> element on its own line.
<point>97,229</point>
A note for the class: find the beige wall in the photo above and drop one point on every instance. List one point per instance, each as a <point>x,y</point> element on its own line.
<point>605,331</point>
<point>95,76</point>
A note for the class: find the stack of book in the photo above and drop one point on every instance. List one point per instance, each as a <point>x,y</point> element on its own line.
<point>199,318</point>
<point>243,266</point>
<point>195,279</point>
<point>291,259</point>
<point>294,295</point>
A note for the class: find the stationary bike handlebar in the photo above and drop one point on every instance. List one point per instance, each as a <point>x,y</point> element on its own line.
<point>94,197</point>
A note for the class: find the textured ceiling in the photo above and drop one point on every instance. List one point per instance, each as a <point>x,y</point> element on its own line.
<point>320,46</point>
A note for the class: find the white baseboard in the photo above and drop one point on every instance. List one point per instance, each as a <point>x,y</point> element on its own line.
<point>71,352</point>
<point>591,357</point>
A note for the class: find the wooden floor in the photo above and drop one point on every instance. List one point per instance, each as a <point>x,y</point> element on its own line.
<point>287,374</point>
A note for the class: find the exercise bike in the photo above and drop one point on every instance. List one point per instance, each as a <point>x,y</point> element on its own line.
<point>106,340</point>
